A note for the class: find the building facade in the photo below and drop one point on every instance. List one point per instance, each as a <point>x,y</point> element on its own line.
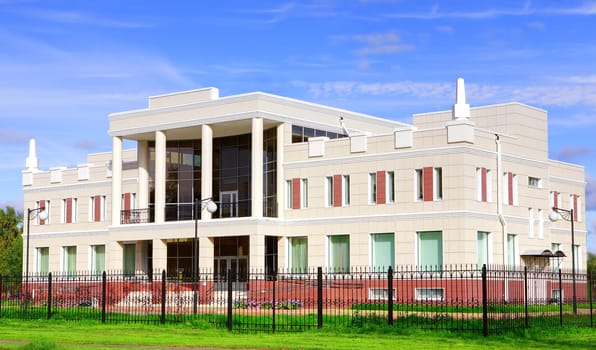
<point>299,185</point>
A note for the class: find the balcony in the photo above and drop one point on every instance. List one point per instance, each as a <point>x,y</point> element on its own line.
<point>136,216</point>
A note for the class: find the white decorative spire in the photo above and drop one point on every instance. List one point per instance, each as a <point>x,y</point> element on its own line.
<point>32,163</point>
<point>461,110</point>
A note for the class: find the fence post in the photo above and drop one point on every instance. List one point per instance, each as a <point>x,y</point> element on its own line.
<point>526,294</point>
<point>590,281</point>
<point>273,306</point>
<point>484,302</point>
<point>49,295</point>
<point>319,297</point>
<point>390,296</point>
<point>163,296</point>
<point>104,286</point>
<point>230,291</point>
<point>560,299</point>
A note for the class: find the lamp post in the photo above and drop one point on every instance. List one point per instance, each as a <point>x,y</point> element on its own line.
<point>31,214</point>
<point>567,215</point>
<point>211,207</point>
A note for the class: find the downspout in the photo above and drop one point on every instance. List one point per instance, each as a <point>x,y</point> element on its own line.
<point>500,206</point>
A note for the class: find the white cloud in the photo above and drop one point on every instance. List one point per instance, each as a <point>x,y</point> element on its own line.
<point>591,195</point>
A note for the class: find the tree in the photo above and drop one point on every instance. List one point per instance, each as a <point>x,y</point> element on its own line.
<point>11,242</point>
<point>592,262</point>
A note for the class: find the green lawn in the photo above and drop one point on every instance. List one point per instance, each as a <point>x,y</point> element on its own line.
<point>74,335</point>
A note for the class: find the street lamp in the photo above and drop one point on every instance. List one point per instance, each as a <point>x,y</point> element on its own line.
<point>567,215</point>
<point>211,207</point>
<point>42,214</point>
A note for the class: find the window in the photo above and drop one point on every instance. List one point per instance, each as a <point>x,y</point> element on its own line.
<point>45,206</point>
<point>346,190</point>
<point>483,249</point>
<point>430,250</point>
<point>555,295</point>
<point>429,184</point>
<point>304,193</point>
<point>555,199</point>
<point>383,251</point>
<point>271,257</point>
<point>540,224</point>
<point>530,222</point>
<point>68,211</point>
<point>97,208</point>
<point>534,182</point>
<point>98,259</point>
<point>69,260</point>
<point>483,185</point>
<point>128,201</point>
<point>380,294</point>
<point>339,254</point>
<point>43,261</point>
<point>434,294</point>
<point>128,259</point>
<point>511,249</point>
<point>298,254</point>
<point>337,190</point>
<point>301,133</point>
<point>297,193</point>
<point>555,263</point>
<point>372,188</point>
<point>574,203</point>
<point>390,187</point>
<point>577,251</point>
<point>510,188</point>
<point>328,191</point>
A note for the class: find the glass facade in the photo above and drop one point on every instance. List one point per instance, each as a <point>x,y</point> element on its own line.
<point>383,251</point>
<point>270,173</point>
<point>232,175</point>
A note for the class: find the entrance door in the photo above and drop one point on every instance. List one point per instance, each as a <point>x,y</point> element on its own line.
<point>238,265</point>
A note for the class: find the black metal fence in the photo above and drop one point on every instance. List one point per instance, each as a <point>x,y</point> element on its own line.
<point>486,300</point>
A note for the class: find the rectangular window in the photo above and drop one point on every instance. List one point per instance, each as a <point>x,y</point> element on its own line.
<point>510,188</point>
<point>346,190</point>
<point>380,294</point>
<point>534,182</point>
<point>483,248</point>
<point>511,250</point>
<point>574,204</point>
<point>540,224</point>
<point>97,208</point>
<point>530,222</point>
<point>390,187</point>
<point>339,254</point>
<point>329,191</point>
<point>128,201</point>
<point>430,250</point>
<point>98,259</point>
<point>372,188</point>
<point>383,251</point>
<point>69,260</point>
<point>298,254</point>
<point>483,185</point>
<point>434,294</point>
<point>555,199</point>
<point>304,193</point>
<point>128,259</point>
<point>555,263</point>
<point>288,194</point>
<point>43,261</point>
<point>429,184</point>
<point>68,211</point>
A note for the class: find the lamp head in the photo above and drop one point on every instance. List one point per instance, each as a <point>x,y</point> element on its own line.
<point>43,215</point>
<point>554,216</point>
<point>211,207</point>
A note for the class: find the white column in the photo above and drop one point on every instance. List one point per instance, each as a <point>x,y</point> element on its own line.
<point>143,165</point>
<point>280,170</point>
<point>113,256</point>
<point>160,176</point>
<point>206,167</point>
<point>257,167</point>
<point>205,253</point>
<point>257,250</point>
<point>160,255</point>
<point>116,179</point>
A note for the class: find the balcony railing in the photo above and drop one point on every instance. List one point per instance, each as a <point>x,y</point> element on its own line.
<point>136,216</point>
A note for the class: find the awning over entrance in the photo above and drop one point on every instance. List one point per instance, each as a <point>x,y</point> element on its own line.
<point>546,253</point>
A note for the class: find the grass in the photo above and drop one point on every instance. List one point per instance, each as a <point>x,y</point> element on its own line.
<point>56,334</point>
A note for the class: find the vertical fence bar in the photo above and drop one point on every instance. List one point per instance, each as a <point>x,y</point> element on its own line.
<point>526,295</point>
<point>49,295</point>
<point>484,302</point>
<point>1,290</point>
<point>103,296</point>
<point>274,305</point>
<point>560,299</point>
<point>230,290</point>
<point>319,297</point>
<point>390,296</point>
<point>163,297</point>
<point>590,281</point>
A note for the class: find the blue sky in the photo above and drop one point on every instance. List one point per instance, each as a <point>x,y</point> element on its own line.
<point>65,65</point>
